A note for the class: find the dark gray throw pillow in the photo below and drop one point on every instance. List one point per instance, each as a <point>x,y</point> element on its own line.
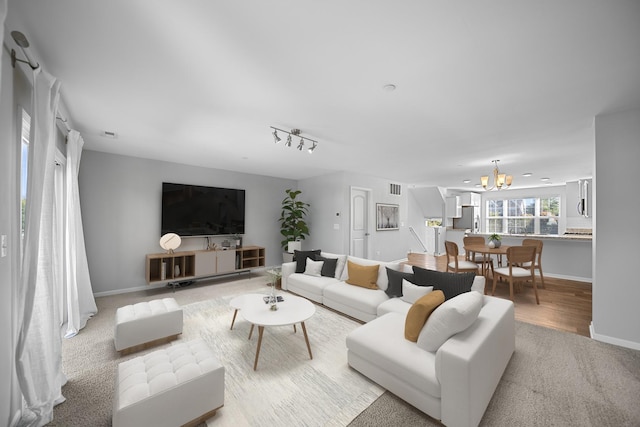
<point>329,266</point>
<point>395,282</point>
<point>451,284</point>
<point>300,257</point>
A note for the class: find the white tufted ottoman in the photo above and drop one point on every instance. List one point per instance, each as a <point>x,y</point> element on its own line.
<point>146,323</point>
<point>180,385</point>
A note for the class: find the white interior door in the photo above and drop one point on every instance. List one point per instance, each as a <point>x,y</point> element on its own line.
<point>359,230</point>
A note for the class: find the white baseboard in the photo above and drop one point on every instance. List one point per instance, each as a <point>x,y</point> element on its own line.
<point>611,340</point>
<point>165,283</point>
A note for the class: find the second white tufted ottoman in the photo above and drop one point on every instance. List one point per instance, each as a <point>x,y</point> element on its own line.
<point>180,385</point>
<point>146,323</point>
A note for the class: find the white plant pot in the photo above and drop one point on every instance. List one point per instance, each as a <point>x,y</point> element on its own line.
<point>294,246</point>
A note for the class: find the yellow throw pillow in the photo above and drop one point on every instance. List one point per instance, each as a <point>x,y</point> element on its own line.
<point>420,312</point>
<point>365,276</point>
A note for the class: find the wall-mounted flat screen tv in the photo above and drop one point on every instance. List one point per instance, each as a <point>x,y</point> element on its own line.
<point>195,210</point>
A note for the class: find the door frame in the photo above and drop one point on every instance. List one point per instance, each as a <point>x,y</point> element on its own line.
<point>369,214</point>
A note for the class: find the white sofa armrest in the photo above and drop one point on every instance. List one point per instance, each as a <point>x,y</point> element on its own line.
<point>288,268</point>
<point>470,364</point>
<point>478,284</point>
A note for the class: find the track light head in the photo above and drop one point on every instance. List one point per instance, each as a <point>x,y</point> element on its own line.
<point>276,138</point>
<point>301,145</point>
<point>289,141</point>
<point>313,147</point>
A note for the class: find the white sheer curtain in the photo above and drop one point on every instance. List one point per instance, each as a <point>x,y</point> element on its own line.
<point>80,303</point>
<point>38,352</point>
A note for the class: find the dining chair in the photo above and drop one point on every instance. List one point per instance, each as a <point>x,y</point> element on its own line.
<point>517,255</point>
<point>483,261</point>
<point>538,261</point>
<point>453,263</point>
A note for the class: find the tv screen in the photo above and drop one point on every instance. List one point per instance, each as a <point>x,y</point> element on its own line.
<point>195,210</point>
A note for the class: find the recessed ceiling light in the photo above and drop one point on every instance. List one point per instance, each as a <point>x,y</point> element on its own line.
<point>545,179</point>
<point>527,174</point>
<point>389,87</point>
<point>467,181</point>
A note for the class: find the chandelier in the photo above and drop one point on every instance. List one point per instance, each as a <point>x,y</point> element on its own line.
<point>499,179</point>
<point>312,144</point>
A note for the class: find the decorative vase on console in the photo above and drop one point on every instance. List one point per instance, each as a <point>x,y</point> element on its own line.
<point>494,241</point>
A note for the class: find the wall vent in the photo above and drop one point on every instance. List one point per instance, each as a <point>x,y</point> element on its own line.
<point>395,189</point>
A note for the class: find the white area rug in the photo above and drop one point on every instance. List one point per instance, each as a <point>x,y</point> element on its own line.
<point>288,389</point>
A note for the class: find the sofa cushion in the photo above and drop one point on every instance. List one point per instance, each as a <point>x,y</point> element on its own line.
<point>395,281</point>
<point>383,281</point>
<point>411,292</point>
<point>362,275</point>
<point>300,258</point>
<point>313,268</point>
<point>361,299</point>
<point>420,312</point>
<point>452,284</point>
<point>381,342</point>
<point>329,266</point>
<point>393,305</point>
<point>340,265</point>
<point>309,284</point>
<point>452,316</point>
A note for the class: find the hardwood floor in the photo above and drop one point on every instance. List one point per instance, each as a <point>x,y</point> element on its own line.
<point>564,304</point>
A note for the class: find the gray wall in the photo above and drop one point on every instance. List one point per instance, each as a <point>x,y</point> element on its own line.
<point>617,232</point>
<point>330,194</point>
<point>121,201</point>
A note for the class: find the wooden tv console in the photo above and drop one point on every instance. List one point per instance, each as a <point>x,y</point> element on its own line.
<point>190,265</point>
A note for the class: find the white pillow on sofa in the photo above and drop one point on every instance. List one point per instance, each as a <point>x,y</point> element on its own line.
<point>412,292</point>
<point>452,316</point>
<point>313,268</point>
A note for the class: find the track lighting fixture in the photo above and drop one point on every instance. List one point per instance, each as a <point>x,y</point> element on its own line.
<point>289,141</point>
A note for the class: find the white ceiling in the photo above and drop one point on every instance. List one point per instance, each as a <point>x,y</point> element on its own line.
<point>200,81</point>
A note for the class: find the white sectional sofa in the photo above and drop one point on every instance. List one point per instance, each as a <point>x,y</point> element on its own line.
<point>452,383</point>
<point>360,303</point>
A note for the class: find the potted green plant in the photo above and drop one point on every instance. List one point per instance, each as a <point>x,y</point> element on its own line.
<point>293,226</point>
<point>494,240</point>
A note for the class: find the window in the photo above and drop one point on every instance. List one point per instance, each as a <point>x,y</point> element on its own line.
<point>24,168</point>
<point>527,215</point>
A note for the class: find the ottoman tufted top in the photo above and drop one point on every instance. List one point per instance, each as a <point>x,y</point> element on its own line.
<point>144,376</point>
<point>145,309</point>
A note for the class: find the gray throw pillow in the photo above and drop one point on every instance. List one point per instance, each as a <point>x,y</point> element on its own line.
<point>329,266</point>
<point>395,282</point>
<point>300,257</point>
<point>451,284</point>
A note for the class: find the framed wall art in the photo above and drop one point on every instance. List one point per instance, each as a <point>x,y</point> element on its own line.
<point>387,217</point>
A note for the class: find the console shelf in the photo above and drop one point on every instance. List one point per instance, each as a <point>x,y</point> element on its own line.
<point>189,265</point>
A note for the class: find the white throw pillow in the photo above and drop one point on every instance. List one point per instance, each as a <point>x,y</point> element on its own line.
<point>313,268</point>
<point>452,316</point>
<point>412,293</point>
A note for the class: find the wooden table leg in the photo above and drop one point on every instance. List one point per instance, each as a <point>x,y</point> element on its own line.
<point>294,328</point>
<point>306,338</point>
<point>260,330</point>
<point>251,330</point>
<point>235,313</point>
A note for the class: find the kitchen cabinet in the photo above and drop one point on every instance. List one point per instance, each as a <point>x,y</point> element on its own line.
<point>470,199</point>
<point>454,207</point>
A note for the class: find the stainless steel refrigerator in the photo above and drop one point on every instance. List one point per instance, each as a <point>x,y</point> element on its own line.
<point>470,219</point>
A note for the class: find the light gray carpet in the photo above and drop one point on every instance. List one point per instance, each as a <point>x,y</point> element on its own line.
<point>553,379</point>
<point>287,389</point>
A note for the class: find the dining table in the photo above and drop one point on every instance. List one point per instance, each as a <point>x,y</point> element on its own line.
<point>487,252</point>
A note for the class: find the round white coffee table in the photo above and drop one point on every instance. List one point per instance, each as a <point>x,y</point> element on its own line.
<point>290,311</point>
